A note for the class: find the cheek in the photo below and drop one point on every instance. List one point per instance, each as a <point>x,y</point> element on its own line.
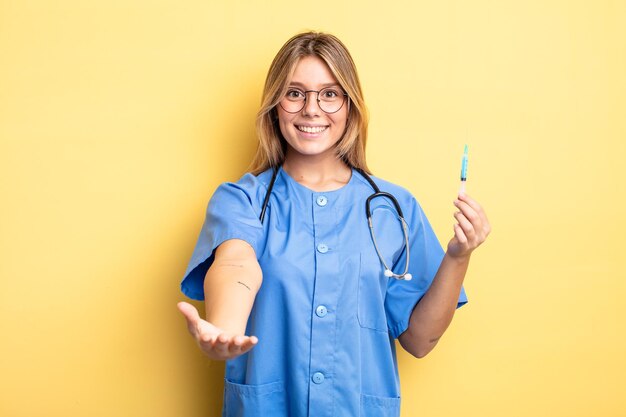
<point>344,112</point>
<point>284,118</point>
<point>284,121</point>
<point>341,120</point>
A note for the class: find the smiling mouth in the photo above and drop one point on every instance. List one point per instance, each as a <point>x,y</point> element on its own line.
<point>312,129</point>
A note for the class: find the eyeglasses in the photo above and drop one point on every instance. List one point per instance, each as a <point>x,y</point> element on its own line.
<point>329,99</point>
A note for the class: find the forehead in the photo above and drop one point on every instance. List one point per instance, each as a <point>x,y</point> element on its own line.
<point>311,71</point>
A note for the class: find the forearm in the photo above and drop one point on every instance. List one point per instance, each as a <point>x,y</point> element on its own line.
<point>434,312</point>
<point>230,288</point>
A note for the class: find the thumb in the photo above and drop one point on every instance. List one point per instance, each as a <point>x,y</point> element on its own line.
<point>191,315</point>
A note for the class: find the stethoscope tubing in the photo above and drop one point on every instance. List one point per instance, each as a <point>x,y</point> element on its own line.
<point>377,193</point>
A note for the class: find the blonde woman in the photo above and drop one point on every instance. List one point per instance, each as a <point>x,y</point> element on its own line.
<point>310,268</point>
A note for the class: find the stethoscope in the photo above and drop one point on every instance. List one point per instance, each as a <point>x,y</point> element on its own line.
<point>377,193</point>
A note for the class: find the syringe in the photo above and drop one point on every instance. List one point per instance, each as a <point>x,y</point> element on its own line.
<point>463,170</point>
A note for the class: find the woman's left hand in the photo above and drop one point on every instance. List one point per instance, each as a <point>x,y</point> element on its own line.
<point>471,229</point>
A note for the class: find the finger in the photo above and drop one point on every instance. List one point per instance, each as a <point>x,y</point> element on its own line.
<point>234,347</point>
<point>249,343</point>
<point>191,316</point>
<point>466,225</point>
<point>188,311</point>
<point>477,218</point>
<point>477,208</point>
<point>460,236</point>
<point>476,215</point>
<point>469,212</point>
<point>220,346</point>
<point>206,339</point>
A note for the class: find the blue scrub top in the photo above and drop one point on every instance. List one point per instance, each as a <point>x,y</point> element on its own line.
<point>326,316</point>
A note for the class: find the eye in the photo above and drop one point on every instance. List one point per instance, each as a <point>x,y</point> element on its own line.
<point>294,94</point>
<point>330,93</point>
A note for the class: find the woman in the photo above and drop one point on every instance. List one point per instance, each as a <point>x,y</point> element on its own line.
<point>302,299</point>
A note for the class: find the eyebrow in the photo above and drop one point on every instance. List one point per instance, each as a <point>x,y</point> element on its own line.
<point>325,85</point>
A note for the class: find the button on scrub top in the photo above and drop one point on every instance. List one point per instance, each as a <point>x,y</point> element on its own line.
<point>326,316</point>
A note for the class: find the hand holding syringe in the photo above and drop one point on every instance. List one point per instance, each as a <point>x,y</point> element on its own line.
<point>472,225</point>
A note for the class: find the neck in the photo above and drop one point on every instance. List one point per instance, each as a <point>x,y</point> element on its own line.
<point>318,174</point>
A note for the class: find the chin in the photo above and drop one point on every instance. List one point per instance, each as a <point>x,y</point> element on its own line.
<point>311,149</point>
<point>311,152</point>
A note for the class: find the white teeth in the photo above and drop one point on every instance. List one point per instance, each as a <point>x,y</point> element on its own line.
<point>311,129</point>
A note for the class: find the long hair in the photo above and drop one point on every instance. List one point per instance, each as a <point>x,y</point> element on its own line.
<point>272,146</point>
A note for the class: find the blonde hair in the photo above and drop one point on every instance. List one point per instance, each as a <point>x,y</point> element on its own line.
<point>272,146</point>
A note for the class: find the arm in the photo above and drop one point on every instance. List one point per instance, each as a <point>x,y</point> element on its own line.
<point>432,315</point>
<point>230,287</point>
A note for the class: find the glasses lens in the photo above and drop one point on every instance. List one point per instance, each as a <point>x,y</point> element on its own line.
<point>293,101</point>
<point>331,99</point>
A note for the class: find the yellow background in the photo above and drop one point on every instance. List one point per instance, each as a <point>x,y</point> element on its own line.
<point>118,119</point>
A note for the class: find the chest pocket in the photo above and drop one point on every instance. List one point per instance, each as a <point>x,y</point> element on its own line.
<point>371,294</point>
<point>254,400</point>
<point>372,281</point>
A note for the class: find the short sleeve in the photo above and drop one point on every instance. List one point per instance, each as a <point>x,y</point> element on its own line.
<point>425,257</point>
<point>232,213</point>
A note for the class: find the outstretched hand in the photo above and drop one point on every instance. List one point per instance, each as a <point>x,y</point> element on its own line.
<point>216,343</point>
<point>471,229</point>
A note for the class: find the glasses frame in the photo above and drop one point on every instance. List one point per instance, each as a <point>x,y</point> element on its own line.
<point>317,98</point>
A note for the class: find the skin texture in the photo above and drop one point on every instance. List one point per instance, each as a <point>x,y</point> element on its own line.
<point>230,286</point>
<point>235,276</point>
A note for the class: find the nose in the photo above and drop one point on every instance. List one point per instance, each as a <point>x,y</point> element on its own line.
<point>311,105</point>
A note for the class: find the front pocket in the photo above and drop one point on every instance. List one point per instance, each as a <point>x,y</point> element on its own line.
<point>241,400</point>
<point>371,294</point>
<point>372,406</point>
